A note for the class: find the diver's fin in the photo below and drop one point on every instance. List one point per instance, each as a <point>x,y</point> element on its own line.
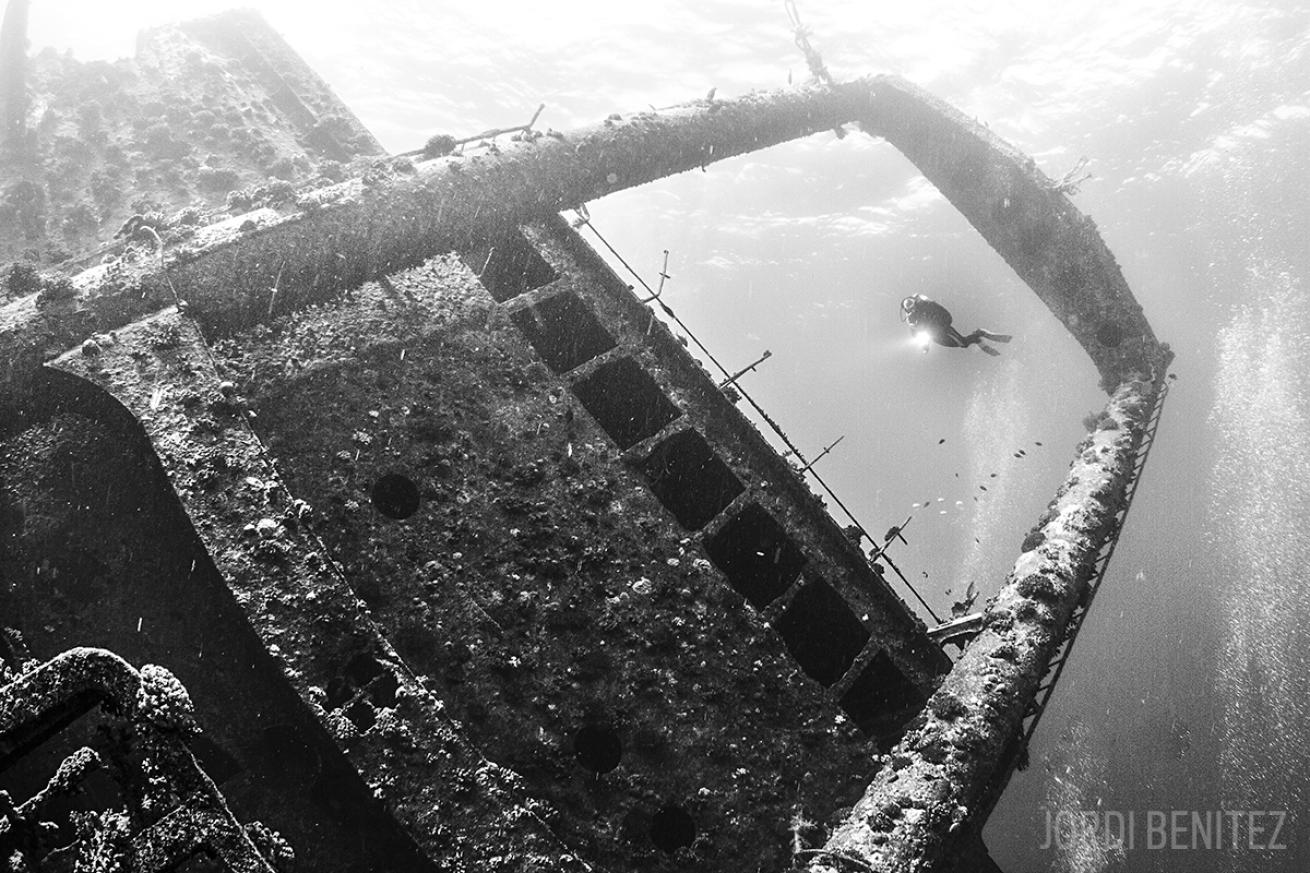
<point>989,350</point>
<point>996,337</point>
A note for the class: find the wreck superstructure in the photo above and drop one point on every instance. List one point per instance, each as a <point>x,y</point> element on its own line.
<point>466,562</point>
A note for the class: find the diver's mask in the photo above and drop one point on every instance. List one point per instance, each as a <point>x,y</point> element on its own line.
<point>907,307</point>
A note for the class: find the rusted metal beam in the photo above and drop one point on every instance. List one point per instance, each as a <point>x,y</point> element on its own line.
<point>362,228</point>
<point>956,628</point>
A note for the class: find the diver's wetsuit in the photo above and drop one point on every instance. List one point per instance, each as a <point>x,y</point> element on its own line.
<point>934,319</point>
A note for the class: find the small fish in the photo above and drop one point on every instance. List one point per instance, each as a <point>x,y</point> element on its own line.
<point>1038,443</point>
<point>940,441</point>
<point>1173,375</point>
<point>983,487</point>
<point>1017,455</point>
<point>992,476</point>
<point>1022,452</point>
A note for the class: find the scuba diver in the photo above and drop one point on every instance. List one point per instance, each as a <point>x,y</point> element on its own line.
<point>932,321</point>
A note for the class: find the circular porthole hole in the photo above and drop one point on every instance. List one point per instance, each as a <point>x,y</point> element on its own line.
<point>598,748</point>
<point>1109,334</point>
<point>672,828</point>
<point>396,496</point>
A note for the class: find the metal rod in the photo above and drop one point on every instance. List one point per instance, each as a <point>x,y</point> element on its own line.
<point>664,274</point>
<point>894,533</point>
<point>486,134</point>
<point>743,371</point>
<point>825,451</point>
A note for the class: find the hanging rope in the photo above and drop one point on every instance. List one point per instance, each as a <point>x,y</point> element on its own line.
<point>807,467</point>
<point>813,59</point>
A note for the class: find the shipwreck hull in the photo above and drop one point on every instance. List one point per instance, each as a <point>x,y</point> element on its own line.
<point>467,563</point>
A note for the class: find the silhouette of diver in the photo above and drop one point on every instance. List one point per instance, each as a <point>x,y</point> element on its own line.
<point>930,318</point>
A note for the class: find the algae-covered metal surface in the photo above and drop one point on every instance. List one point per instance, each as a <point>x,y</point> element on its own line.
<point>468,564</point>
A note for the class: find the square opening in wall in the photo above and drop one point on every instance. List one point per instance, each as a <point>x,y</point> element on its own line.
<point>563,330</point>
<point>689,479</point>
<point>756,555</point>
<point>821,632</point>
<point>625,401</point>
<point>508,265</point>
<point>881,698</point>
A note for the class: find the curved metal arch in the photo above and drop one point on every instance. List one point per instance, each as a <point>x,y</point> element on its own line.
<point>1029,221</point>
<point>363,228</point>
